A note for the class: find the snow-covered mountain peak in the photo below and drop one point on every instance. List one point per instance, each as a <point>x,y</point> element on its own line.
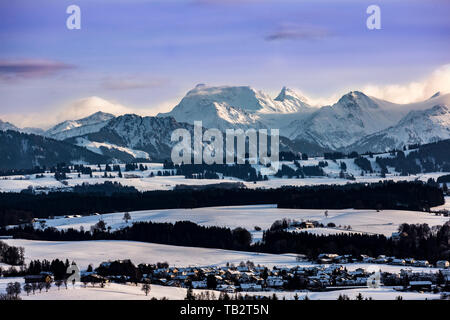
<point>356,99</point>
<point>243,97</point>
<point>73,128</point>
<point>97,117</point>
<point>291,101</point>
<point>438,114</point>
<point>417,127</point>
<point>289,94</point>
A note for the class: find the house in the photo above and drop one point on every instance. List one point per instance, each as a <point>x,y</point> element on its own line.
<point>381,259</point>
<point>327,256</point>
<point>173,283</point>
<point>309,225</point>
<point>46,278</point>
<point>94,278</point>
<point>399,262</point>
<point>226,288</point>
<point>396,236</point>
<point>233,274</point>
<point>242,269</point>
<point>367,259</point>
<point>251,287</point>
<point>357,272</point>
<point>274,282</point>
<point>443,264</point>
<point>199,284</point>
<point>422,263</point>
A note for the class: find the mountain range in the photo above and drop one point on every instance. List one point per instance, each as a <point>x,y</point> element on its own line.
<point>356,122</point>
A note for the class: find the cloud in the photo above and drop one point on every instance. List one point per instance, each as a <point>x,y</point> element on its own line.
<point>438,81</point>
<point>82,108</point>
<point>30,68</point>
<point>297,32</point>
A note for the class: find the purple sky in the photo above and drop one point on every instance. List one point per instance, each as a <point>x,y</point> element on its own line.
<point>147,53</point>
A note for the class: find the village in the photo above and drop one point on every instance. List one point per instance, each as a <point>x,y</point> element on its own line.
<point>330,273</point>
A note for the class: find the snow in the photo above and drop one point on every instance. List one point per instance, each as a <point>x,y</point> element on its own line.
<point>96,252</point>
<point>225,107</point>
<point>382,293</point>
<point>445,206</point>
<point>74,128</point>
<point>96,147</point>
<point>355,115</point>
<point>142,181</point>
<point>367,221</point>
<point>114,291</point>
<point>111,291</point>
<point>417,127</point>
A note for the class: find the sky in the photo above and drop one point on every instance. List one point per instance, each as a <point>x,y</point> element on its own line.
<point>142,56</point>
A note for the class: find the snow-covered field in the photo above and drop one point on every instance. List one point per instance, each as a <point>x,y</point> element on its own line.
<point>111,291</point>
<point>143,181</point>
<point>368,221</point>
<point>96,252</point>
<point>114,291</point>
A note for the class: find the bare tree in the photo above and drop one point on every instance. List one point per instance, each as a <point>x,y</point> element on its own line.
<point>13,289</point>
<point>27,288</point>
<point>126,217</point>
<point>34,287</point>
<point>58,283</point>
<point>146,288</point>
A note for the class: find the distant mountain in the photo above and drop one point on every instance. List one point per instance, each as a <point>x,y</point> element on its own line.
<point>74,128</point>
<point>355,122</point>
<point>4,126</point>
<point>417,127</point>
<point>234,107</point>
<point>24,151</point>
<point>355,115</point>
<point>353,118</point>
<point>132,136</point>
<point>291,101</point>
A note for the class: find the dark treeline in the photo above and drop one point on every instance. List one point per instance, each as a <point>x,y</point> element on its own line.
<point>444,179</point>
<point>433,157</point>
<point>202,171</point>
<point>364,164</point>
<point>11,255</point>
<point>383,195</point>
<point>18,207</point>
<point>416,241</point>
<point>300,171</point>
<point>182,233</point>
<point>57,267</point>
